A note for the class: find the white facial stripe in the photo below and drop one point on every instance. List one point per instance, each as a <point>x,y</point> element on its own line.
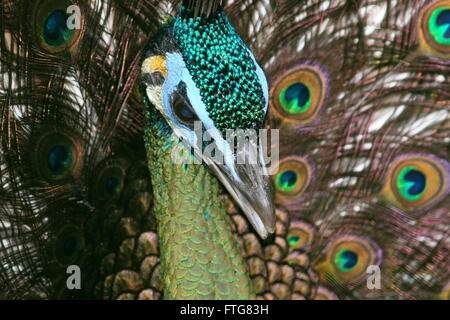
<point>177,72</point>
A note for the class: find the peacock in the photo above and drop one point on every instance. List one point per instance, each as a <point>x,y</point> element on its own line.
<point>97,96</point>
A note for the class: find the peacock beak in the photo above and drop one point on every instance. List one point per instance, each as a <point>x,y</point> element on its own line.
<point>250,186</point>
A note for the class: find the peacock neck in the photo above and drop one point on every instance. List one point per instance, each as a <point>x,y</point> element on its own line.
<point>200,257</point>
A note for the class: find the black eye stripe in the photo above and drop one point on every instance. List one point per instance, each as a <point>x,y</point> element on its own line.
<point>178,98</point>
<point>181,88</point>
<point>182,107</point>
<point>153,79</point>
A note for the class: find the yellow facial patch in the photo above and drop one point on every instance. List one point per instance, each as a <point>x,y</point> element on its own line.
<point>154,64</point>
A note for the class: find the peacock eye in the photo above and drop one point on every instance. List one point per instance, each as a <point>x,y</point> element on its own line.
<point>299,94</point>
<point>287,180</point>
<point>293,177</point>
<point>300,235</point>
<point>112,184</point>
<point>439,25</point>
<point>109,179</point>
<point>348,257</point>
<point>68,244</point>
<point>55,28</point>
<point>435,29</point>
<point>293,240</point>
<point>416,181</point>
<point>411,183</point>
<point>57,156</point>
<point>51,23</point>
<point>59,159</point>
<point>295,98</point>
<point>183,110</point>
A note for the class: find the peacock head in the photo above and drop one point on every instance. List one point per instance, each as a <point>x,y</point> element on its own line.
<point>198,70</point>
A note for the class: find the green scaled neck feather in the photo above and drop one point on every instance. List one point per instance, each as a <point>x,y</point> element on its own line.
<point>200,257</point>
<point>195,70</point>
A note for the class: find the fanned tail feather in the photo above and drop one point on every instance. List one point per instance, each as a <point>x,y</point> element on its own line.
<point>360,91</point>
